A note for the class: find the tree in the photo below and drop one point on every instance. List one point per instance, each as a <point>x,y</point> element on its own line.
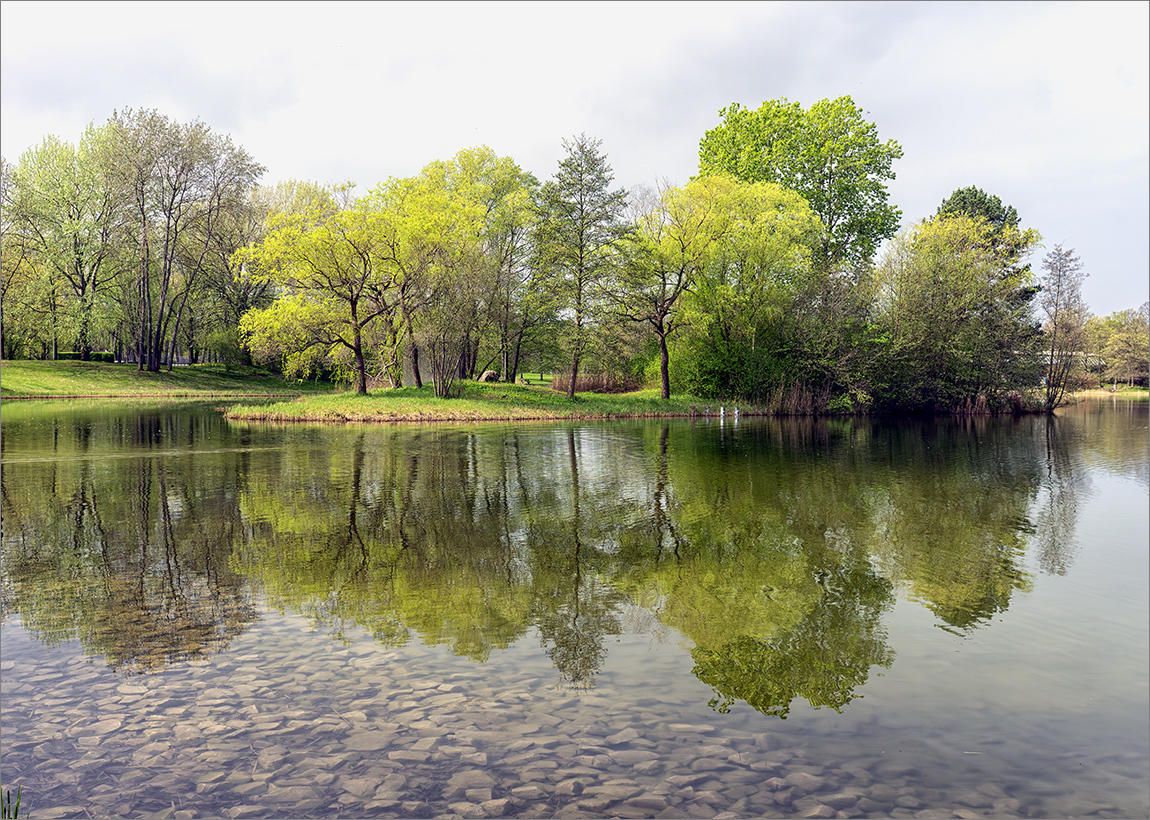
<point>507,303</point>
<point>737,337</point>
<point>1127,350</point>
<point>230,290</point>
<point>1061,303</point>
<point>19,276</point>
<point>951,332</point>
<point>66,216</point>
<point>177,182</point>
<point>829,154</point>
<point>329,264</point>
<point>1007,239</point>
<point>579,231</point>
<point>975,202</point>
<point>442,253</point>
<point>675,232</point>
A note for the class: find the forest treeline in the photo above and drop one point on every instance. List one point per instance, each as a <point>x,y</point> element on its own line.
<point>777,275</point>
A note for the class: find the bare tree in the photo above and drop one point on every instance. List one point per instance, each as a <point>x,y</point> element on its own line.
<point>1061,302</point>
<point>180,180</point>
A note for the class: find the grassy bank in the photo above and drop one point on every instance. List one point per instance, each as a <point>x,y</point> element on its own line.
<point>1122,392</point>
<point>479,402</point>
<point>72,379</point>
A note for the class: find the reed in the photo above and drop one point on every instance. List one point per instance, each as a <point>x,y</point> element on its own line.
<point>8,807</point>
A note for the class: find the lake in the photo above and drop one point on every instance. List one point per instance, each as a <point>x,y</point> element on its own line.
<point>708,618</point>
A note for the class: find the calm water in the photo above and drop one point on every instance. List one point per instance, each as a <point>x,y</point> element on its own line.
<point>761,618</point>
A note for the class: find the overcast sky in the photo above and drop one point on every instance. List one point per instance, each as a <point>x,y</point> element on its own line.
<point>1046,105</point>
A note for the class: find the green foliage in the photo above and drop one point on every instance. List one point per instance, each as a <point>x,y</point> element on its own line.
<point>579,231</point>
<point>953,331</point>
<point>737,342</point>
<point>829,154</point>
<point>1122,340</point>
<point>975,203</point>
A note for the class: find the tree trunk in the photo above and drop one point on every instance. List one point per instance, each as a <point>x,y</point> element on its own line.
<point>360,366</point>
<point>664,366</point>
<point>418,379</point>
<point>574,374</point>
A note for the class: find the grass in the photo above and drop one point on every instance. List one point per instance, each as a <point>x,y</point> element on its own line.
<point>1123,392</point>
<point>7,807</point>
<point>73,379</point>
<point>478,402</point>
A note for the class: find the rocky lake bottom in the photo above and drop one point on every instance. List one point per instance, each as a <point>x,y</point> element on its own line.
<point>287,728</point>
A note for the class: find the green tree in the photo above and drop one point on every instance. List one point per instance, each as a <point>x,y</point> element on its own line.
<point>951,332</point>
<point>676,231</point>
<point>1007,239</point>
<point>975,202</point>
<point>498,294</point>
<point>443,252</point>
<point>1065,319</point>
<point>580,227</point>
<point>1127,350</point>
<point>230,290</point>
<point>829,154</point>
<point>66,215</point>
<point>176,182</point>
<point>20,277</point>
<point>333,267</point>
<point>737,339</point>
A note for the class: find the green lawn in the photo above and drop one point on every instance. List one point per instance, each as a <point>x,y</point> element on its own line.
<point>73,379</point>
<point>479,402</point>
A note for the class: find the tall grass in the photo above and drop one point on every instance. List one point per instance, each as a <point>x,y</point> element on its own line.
<point>597,383</point>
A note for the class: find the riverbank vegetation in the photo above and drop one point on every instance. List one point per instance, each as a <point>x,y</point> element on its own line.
<point>778,277</point>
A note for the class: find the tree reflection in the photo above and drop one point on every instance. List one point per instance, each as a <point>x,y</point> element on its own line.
<point>949,503</point>
<point>575,609</point>
<point>402,536</point>
<point>1062,490</point>
<point>770,580</point>
<point>774,547</point>
<point>114,553</point>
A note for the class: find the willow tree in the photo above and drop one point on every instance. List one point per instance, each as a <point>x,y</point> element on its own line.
<point>676,232</point>
<point>518,305</point>
<point>737,312</point>
<point>433,246</point>
<point>328,262</point>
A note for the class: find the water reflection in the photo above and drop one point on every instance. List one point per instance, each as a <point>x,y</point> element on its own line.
<point>128,556</point>
<point>774,547</point>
